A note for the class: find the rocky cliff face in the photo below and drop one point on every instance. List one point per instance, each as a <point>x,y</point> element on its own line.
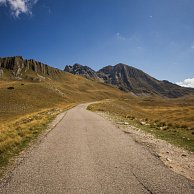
<point>130,79</point>
<point>21,68</point>
<point>84,71</point>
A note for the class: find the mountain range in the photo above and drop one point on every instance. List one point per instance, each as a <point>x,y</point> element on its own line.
<point>131,79</point>
<point>121,76</point>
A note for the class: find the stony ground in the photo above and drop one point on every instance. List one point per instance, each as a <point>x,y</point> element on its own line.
<point>178,159</point>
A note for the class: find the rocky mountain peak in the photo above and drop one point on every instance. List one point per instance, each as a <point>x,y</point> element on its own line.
<point>82,70</point>
<point>21,68</point>
<point>131,79</point>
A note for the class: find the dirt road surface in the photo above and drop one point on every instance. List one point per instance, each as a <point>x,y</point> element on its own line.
<point>86,154</point>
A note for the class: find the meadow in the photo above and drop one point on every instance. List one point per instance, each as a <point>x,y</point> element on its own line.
<point>169,119</point>
<point>27,107</point>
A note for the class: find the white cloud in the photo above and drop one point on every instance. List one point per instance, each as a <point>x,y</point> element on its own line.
<point>150,16</point>
<point>19,6</point>
<point>119,36</point>
<point>187,83</point>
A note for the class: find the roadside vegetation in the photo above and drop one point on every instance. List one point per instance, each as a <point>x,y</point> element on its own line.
<point>27,108</point>
<point>17,135</point>
<point>169,119</point>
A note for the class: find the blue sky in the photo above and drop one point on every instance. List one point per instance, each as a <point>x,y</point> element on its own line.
<point>156,36</point>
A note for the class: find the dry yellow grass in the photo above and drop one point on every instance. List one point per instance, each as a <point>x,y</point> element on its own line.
<point>17,134</point>
<point>27,107</point>
<point>170,119</point>
<point>27,97</point>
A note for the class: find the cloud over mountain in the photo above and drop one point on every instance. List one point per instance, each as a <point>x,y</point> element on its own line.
<point>187,83</point>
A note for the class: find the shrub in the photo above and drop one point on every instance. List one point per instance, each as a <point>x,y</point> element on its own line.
<point>10,88</point>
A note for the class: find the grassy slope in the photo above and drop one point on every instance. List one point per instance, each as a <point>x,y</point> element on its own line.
<point>28,97</point>
<point>26,110</point>
<point>170,119</point>
<point>79,89</point>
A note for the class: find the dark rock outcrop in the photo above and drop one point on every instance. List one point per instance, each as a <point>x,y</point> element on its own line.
<point>1,73</point>
<point>84,71</point>
<point>21,68</point>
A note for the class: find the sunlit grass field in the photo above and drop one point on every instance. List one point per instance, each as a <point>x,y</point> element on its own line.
<point>27,107</point>
<point>169,119</point>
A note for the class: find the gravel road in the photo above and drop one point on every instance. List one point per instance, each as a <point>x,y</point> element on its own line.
<point>86,154</point>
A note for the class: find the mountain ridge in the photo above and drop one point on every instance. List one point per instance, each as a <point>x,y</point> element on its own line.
<point>121,76</point>
<point>20,68</point>
<point>78,69</point>
<point>131,79</point>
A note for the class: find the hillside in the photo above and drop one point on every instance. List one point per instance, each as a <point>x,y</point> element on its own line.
<point>32,94</point>
<point>28,86</point>
<point>130,79</point>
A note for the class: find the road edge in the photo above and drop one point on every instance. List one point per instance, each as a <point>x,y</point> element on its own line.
<point>17,160</point>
